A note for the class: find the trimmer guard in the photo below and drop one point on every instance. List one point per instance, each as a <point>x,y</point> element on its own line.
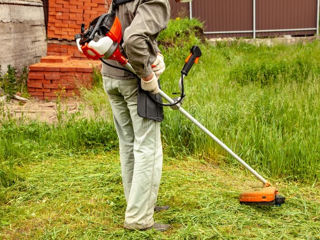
<point>266,196</point>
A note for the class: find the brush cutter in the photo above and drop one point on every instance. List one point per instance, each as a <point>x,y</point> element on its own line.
<point>102,41</point>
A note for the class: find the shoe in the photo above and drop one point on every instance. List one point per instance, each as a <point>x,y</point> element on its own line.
<point>160,208</point>
<point>161,227</point>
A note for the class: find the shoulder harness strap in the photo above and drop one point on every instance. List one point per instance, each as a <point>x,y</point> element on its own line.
<point>117,3</point>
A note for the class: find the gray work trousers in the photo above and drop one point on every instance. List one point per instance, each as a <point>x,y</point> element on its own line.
<point>140,152</point>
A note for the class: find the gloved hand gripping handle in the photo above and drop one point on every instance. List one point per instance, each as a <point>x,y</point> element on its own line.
<point>193,58</point>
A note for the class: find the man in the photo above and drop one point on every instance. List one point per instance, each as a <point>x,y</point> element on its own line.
<point>139,138</point>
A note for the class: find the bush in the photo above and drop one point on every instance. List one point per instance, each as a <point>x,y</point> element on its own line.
<point>180,32</point>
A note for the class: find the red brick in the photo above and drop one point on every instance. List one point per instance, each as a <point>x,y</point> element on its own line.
<point>46,81</point>
<point>60,2</point>
<point>76,10</point>
<point>52,68</point>
<point>36,94</point>
<point>98,1</point>
<point>56,86</point>
<point>54,59</point>
<point>92,5</point>
<point>36,75</point>
<point>36,68</point>
<point>68,69</point>
<point>34,83</point>
<point>38,90</point>
<point>84,69</point>
<point>52,75</point>
<point>50,94</point>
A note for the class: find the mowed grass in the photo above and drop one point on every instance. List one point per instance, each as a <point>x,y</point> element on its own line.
<point>81,197</point>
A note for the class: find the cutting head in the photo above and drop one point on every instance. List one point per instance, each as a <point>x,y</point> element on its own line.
<point>266,196</point>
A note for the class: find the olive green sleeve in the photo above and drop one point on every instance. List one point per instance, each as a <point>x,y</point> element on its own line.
<point>151,17</point>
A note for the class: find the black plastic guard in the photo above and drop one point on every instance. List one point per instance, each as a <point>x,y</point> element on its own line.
<point>278,201</point>
<point>148,108</point>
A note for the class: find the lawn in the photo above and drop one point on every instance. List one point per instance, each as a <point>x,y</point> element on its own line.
<point>62,180</point>
<point>80,197</point>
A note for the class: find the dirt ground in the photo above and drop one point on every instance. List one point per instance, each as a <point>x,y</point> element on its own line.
<point>43,111</point>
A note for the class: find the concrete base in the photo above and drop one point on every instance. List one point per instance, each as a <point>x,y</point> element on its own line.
<point>22,33</point>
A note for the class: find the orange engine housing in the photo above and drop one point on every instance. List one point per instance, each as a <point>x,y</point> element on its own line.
<point>266,195</point>
<point>115,32</point>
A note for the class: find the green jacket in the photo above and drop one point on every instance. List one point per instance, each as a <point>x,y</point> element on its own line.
<point>141,20</point>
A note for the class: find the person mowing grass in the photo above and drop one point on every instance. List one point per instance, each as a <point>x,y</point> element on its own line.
<point>137,119</point>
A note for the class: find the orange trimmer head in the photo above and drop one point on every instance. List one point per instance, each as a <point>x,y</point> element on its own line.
<point>266,196</point>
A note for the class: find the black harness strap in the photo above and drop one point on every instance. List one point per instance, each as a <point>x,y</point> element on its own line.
<point>117,3</point>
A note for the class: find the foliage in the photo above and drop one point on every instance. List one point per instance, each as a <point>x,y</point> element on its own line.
<point>11,82</point>
<point>180,32</point>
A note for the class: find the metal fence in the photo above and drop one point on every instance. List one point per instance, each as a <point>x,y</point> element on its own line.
<point>253,18</point>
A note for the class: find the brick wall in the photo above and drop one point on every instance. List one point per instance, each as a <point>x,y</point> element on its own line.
<point>65,69</point>
<point>59,76</point>
<point>65,17</point>
<point>58,49</point>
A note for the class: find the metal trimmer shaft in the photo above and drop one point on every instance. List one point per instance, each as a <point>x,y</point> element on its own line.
<point>210,134</point>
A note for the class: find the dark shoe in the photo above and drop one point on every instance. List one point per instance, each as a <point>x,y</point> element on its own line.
<point>160,208</point>
<point>161,227</point>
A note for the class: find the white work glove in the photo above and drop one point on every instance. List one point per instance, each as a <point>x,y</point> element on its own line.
<point>158,66</point>
<point>151,85</point>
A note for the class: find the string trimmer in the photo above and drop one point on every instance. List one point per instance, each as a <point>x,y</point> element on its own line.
<point>102,41</point>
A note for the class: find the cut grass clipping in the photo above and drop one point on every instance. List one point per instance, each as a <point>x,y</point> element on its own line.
<point>81,197</point>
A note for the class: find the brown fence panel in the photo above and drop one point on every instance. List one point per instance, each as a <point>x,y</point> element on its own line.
<point>286,14</point>
<point>237,15</point>
<point>224,15</point>
<point>179,9</point>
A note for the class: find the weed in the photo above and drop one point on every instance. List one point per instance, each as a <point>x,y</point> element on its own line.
<point>12,82</point>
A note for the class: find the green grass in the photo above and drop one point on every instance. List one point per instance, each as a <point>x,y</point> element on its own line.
<point>81,197</point>
<point>261,101</point>
<point>22,142</point>
<point>62,181</point>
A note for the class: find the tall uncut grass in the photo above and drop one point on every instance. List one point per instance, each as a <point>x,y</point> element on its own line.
<point>261,101</point>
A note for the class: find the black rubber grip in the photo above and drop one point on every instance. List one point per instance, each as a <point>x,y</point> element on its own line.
<point>195,53</point>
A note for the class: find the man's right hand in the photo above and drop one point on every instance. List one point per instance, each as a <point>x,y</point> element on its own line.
<point>150,84</point>
<point>159,66</point>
